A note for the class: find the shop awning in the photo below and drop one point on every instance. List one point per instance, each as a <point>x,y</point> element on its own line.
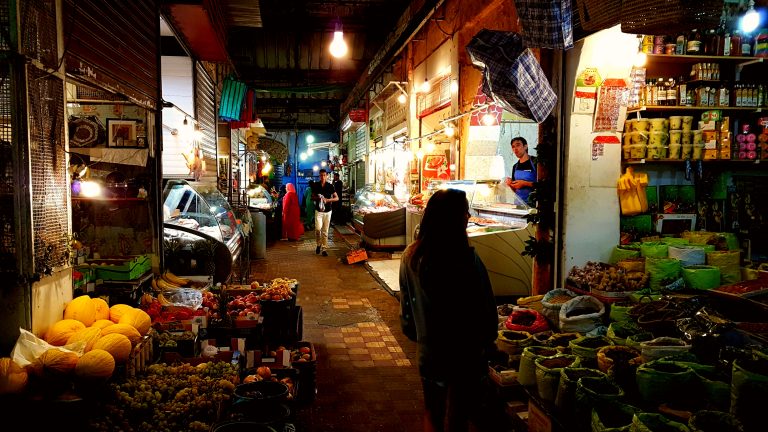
<point>202,27</point>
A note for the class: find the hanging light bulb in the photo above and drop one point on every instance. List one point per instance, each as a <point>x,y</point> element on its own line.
<point>640,59</point>
<point>402,98</point>
<point>315,168</point>
<point>430,147</point>
<point>488,119</point>
<point>310,139</point>
<point>263,158</point>
<point>310,152</point>
<point>266,169</point>
<point>303,156</point>
<point>338,46</point>
<point>420,154</point>
<point>751,19</point>
<point>425,86</point>
<point>323,164</point>
<point>185,123</point>
<point>449,130</point>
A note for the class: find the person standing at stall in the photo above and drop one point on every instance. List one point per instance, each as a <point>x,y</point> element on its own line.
<point>308,207</point>
<point>523,171</point>
<point>278,215</point>
<point>292,226</point>
<point>437,271</point>
<point>323,195</point>
<point>338,186</point>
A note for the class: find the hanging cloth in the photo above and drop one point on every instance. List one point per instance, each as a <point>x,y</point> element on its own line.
<point>546,24</point>
<point>512,76</point>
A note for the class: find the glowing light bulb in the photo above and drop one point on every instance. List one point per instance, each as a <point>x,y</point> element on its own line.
<point>310,139</point>
<point>303,156</point>
<point>420,154</point>
<point>315,168</point>
<point>454,87</point>
<point>323,164</point>
<point>449,130</point>
<point>640,59</point>
<point>90,189</point>
<point>402,98</point>
<point>750,20</point>
<point>430,147</point>
<point>425,86</point>
<point>488,119</point>
<point>338,46</point>
<point>263,158</point>
<point>310,152</point>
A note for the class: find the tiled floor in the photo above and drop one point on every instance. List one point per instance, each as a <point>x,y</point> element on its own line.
<point>366,371</point>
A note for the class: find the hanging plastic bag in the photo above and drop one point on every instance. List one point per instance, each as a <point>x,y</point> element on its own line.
<point>632,195</point>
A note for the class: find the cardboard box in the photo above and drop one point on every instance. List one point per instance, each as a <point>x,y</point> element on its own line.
<point>709,125</point>
<point>710,135</point>
<point>356,255</point>
<point>711,154</point>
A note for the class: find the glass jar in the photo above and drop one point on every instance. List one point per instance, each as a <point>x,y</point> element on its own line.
<point>694,46</point>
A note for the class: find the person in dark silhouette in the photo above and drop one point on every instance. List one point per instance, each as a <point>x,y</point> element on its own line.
<point>437,271</point>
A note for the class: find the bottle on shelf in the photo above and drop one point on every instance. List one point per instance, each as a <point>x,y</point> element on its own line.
<point>723,95</point>
<point>671,92</point>
<point>681,42</point>
<point>746,45</point>
<point>693,46</point>
<point>735,44</point>
<point>682,92</point>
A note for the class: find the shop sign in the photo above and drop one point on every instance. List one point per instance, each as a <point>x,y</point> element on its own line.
<point>358,115</point>
<point>585,94</point>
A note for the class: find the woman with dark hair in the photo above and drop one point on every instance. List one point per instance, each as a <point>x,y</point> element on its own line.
<point>447,306</point>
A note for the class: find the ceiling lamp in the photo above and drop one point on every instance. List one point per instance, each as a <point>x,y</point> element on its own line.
<point>425,86</point>
<point>303,156</point>
<point>401,98</point>
<point>449,130</point>
<point>310,139</point>
<point>323,164</point>
<point>310,151</point>
<point>315,168</point>
<point>488,119</point>
<point>750,20</point>
<point>338,46</point>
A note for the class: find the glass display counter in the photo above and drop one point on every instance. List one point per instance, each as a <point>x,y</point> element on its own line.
<point>497,229</point>
<point>380,218</point>
<point>200,230</point>
<point>260,198</point>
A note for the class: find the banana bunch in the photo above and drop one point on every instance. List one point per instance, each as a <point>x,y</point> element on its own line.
<point>632,195</point>
<point>163,300</point>
<point>169,281</point>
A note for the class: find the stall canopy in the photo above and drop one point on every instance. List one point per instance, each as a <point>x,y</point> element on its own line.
<point>275,148</point>
<point>512,76</point>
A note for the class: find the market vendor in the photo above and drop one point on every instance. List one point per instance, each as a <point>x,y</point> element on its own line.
<point>523,171</point>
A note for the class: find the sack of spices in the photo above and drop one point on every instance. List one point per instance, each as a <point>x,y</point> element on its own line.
<point>553,301</point>
<point>586,348</point>
<point>729,263</point>
<point>562,339</point>
<point>591,392</point>
<point>527,320</point>
<point>654,250</point>
<point>613,416</point>
<point>618,332</point>
<point>749,391</point>
<point>662,271</point>
<point>526,374</point>
<point>513,342</point>
<point>566,389</point>
<point>623,252</point>
<point>714,421</point>
<point>548,373</point>
<point>581,314</point>
<point>649,422</point>
<point>663,381</point>
<point>662,347</point>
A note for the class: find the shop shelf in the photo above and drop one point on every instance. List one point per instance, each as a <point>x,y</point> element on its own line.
<point>690,108</point>
<point>680,161</point>
<point>692,59</point>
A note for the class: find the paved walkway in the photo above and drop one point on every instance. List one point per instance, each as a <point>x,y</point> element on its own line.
<point>367,378</point>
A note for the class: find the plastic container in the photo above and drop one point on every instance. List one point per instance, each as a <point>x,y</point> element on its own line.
<point>659,125</point>
<point>641,125</point>
<point>626,138</point>
<point>698,151</point>
<point>686,151</point>
<point>675,123</point>
<point>637,151</point>
<point>658,139</point>
<point>675,137</point>
<point>674,151</point>
<point>625,154</point>
<point>656,151</point>
<point>687,123</point>
<point>628,125</point>
<point>639,137</point>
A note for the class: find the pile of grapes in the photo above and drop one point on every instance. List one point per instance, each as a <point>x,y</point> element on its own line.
<point>169,398</point>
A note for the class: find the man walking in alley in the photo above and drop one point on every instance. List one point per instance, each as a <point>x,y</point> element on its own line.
<point>323,195</point>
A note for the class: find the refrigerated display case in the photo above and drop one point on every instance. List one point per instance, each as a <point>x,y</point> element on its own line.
<point>200,230</point>
<point>260,198</point>
<point>379,217</point>
<point>497,229</point>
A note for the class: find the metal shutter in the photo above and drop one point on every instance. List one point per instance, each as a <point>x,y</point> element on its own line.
<point>361,143</point>
<point>205,111</point>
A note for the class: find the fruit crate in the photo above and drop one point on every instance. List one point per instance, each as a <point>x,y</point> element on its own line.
<point>307,371</point>
<point>176,341</point>
<point>142,355</point>
<point>121,268</point>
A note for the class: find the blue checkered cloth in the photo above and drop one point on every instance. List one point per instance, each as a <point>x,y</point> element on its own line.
<point>512,76</point>
<point>546,23</point>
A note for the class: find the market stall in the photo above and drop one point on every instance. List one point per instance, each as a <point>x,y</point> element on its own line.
<point>497,230</point>
<point>380,218</point>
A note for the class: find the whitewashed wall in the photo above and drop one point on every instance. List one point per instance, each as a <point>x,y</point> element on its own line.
<point>178,87</point>
<point>591,226</point>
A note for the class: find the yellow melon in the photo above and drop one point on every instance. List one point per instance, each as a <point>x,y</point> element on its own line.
<point>82,309</point>
<point>54,362</point>
<point>90,335</point>
<point>117,311</point>
<point>13,378</point>
<point>60,331</point>
<point>95,364</point>
<point>137,318</point>
<point>124,329</point>
<point>116,344</point>
<point>102,308</point>
<point>102,323</point>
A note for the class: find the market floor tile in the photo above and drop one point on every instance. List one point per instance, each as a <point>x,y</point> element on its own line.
<point>367,378</point>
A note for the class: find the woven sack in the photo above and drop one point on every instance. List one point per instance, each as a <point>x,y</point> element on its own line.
<point>657,17</point>
<point>596,15</point>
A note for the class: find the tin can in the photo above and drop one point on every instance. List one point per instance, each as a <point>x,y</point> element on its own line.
<point>669,49</point>
<point>658,40</point>
<point>647,48</point>
<point>658,49</point>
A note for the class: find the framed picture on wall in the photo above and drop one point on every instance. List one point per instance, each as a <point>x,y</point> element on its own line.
<point>121,133</point>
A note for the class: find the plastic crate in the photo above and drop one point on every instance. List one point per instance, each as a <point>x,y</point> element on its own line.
<point>122,268</point>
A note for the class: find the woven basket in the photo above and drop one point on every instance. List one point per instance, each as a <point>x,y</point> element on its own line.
<point>596,15</point>
<point>658,17</point>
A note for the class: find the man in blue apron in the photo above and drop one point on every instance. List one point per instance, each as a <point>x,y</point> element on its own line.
<point>524,171</point>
